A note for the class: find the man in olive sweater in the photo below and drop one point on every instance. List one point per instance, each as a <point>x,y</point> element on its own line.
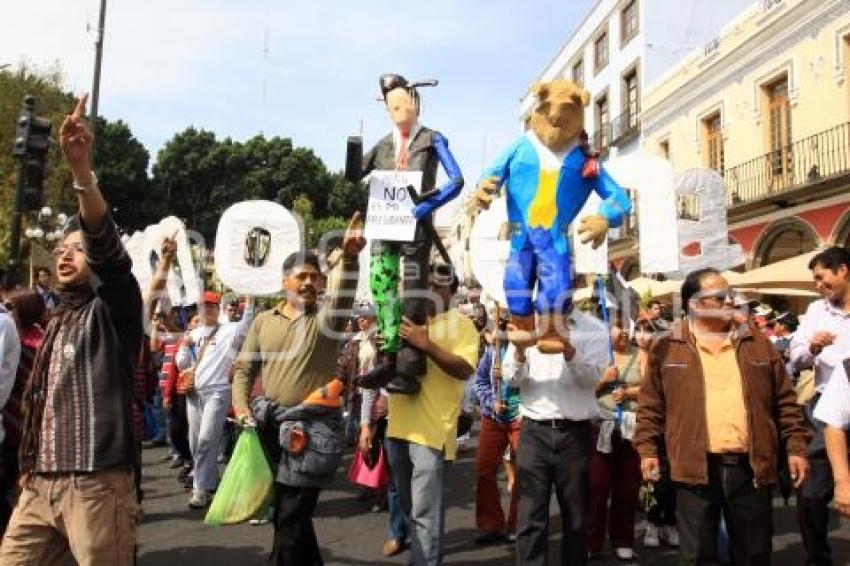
<point>295,346</point>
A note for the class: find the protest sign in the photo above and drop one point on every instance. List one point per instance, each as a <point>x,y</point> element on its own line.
<point>252,241</point>
<point>389,215</point>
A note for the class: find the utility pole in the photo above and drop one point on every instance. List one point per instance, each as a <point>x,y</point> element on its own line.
<point>98,57</point>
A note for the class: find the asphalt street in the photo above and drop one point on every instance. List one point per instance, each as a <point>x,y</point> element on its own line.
<point>351,534</point>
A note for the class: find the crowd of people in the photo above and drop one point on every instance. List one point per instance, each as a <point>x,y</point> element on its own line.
<point>695,420</point>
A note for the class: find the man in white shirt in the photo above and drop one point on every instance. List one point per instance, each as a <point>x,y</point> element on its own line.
<point>822,342</point>
<point>208,405</point>
<point>557,405</point>
<point>833,410</point>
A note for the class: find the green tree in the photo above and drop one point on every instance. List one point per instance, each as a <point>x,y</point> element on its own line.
<point>346,197</point>
<point>197,177</point>
<point>52,102</point>
<point>193,180</point>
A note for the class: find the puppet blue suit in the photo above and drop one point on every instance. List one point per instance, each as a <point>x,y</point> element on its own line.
<point>544,195</point>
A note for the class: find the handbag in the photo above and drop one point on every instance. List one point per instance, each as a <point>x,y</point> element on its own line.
<point>372,477</point>
<point>186,378</point>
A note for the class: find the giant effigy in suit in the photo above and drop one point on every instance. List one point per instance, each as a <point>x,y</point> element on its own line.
<point>548,174</point>
<point>411,147</point>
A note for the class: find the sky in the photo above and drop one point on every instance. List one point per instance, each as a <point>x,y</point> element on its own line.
<point>306,70</point>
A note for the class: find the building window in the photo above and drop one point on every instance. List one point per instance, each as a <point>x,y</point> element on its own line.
<point>664,149</point>
<point>600,51</point>
<point>631,98</point>
<point>779,128</point>
<point>602,138</point>
<point>578,72</point>
<point>628,22</point>
<point>713,135</point>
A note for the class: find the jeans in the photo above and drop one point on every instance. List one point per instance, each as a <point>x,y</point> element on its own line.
<point>418,474</point>
<point>747,510</point>
<point>159,415</point>
<point>207,412</point>
<point>493,439</point>
<point>398,524</point>
<point>552,456</point>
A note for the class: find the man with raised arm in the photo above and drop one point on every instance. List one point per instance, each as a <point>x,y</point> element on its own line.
<point>77,447</point>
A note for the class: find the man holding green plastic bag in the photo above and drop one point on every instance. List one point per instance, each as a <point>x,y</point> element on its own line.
<point>295,346</point>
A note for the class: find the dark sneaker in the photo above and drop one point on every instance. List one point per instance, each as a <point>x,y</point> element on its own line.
<point>489,537</point>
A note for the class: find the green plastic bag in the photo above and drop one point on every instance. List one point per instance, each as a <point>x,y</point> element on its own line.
<point>246,484</point>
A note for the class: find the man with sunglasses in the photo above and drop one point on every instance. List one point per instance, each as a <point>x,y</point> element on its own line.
<point>77,447</point>
<point>719,393</point>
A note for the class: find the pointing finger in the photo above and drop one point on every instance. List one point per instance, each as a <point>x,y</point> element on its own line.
<point>80,109</point>
<point>354,222</point>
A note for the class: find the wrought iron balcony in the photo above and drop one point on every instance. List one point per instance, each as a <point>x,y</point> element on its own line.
<point>602,138</point>
<point>791,167</point>
<point>626,126</point>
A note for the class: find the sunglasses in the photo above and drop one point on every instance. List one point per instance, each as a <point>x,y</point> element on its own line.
<point>60,251</point>
<point>719,296</point>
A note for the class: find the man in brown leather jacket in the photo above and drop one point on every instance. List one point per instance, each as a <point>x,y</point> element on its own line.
<point>718,394</point>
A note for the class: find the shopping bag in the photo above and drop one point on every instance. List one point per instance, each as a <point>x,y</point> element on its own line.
<point>373,477</point>
<point>246,484</point>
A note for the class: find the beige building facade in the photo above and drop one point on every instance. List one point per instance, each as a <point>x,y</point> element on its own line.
<point>767,105</point>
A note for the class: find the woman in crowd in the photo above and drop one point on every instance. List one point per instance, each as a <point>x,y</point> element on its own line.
<point>614,464</point>
<point>28,309</point>
<point>661,516</point>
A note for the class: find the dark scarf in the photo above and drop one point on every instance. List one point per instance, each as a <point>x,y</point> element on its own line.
<point>73,302</point>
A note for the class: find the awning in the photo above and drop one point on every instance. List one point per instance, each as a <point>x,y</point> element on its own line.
<point>792,273</point>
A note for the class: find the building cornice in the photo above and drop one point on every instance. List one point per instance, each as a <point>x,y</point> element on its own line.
<point>774,38</point>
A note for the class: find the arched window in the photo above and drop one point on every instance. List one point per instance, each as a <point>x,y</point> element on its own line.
<point>785,239</point>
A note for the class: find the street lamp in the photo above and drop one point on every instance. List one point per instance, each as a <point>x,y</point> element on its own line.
<point>47,226</point>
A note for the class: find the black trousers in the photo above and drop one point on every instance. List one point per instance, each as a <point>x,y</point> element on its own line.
<point>9,474</point>
<point>295,542</point>
<point>178,427</point>
<point>291,509</point>
<point>747,509</point>
<point>552,456</point>
<point>664,511</point>
<point>814,496</point>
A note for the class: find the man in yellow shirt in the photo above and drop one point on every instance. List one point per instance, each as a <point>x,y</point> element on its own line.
<point>422,427</point>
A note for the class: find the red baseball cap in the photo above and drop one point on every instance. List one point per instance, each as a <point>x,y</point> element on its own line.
<point>211,297</point>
